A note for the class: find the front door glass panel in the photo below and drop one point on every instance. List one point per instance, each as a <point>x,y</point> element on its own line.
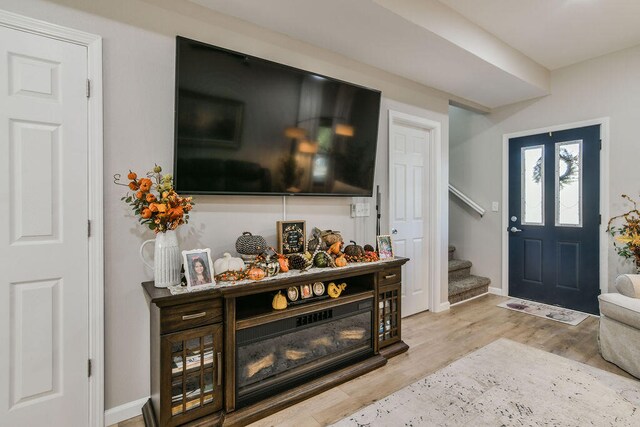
<point>533,185</point>
<point>568,183</point>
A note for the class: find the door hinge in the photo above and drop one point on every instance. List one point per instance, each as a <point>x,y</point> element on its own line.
<point>88,88</point>
<point>600,219</point>
<point>88,228</point>
<point>89,368</point>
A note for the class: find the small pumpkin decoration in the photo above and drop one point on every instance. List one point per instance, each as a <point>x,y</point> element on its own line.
<point>255,273</point>
<point>228,263</point>
<point>341,261</point>
<point>330,237</point>
<point>321,260</point>
<point>334,290</point>
<point>354,250</point>
<point>335,248</point>
<point>368,248</point>
<point>279,301</point>
<point>248,244</point>
<point>284,263</point>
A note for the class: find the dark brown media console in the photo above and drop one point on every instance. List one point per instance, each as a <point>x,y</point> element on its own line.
<point>225,357</point>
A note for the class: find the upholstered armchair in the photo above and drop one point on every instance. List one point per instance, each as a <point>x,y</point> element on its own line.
<point>619,337</point>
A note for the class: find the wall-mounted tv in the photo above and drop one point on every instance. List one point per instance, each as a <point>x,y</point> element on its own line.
<point>245,125</point>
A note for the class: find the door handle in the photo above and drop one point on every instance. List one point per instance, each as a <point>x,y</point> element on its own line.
<point>394,231</point>
<point>515,230</point>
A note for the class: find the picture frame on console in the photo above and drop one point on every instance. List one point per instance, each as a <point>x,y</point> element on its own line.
<point>291,236</point>
<point>198,268</point>
<point>385,247</point>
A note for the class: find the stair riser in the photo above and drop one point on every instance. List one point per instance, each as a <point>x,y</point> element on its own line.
<point>459,274</point>
<point>468,294</point>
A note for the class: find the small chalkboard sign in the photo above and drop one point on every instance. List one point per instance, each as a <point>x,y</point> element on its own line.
<point>291,236</point>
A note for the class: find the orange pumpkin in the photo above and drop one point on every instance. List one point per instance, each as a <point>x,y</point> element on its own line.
<point>335,248</point>
<point>341,261</point>
<point>256,273</point>
<point>284,264</point>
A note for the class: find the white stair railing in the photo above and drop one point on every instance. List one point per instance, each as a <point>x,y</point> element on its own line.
<point>476,207</point>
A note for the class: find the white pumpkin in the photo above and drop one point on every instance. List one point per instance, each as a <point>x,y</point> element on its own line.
<point>228,263</point>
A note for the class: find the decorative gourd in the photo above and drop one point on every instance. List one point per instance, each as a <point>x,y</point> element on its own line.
<point>279,301</point>
<point>270,266</point>
<point>248,244</point>
<point>341,261</point>
<point>354,250</point>
<point>284,263</point>
<point>256,273</point>
<point>334,290</point>
<point>228,263</point>
<point>335,248</point>
<point>321,260</point>
<point>330,237</point>
<point>368,248</point>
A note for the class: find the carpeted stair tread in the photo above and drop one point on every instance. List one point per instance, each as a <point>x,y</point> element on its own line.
<point>467,284</point>
<point>459,264</point>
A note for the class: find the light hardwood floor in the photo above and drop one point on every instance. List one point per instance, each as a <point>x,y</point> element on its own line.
<point>436,340</point>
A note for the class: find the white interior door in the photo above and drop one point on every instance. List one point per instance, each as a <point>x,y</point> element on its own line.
<point>43,236</point>
<point>408,184</point>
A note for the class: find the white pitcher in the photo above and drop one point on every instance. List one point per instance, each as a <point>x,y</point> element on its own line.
<point>167,259</point>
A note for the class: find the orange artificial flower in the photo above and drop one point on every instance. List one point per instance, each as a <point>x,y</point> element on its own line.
<point>175,213</point>
<point>139,195</point>
<point>158,207</point>
<point>146,213</point>
<point>132,176</point>
<point>151,198</point>
<point>145,184</point>
<point>133,185</point>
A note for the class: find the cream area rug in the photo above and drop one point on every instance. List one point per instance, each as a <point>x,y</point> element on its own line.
<point>551,312</point>
<point>509,384</point>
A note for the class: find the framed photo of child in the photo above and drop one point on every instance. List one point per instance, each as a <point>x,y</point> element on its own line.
<point>385,248</point>
<point>198,268</point>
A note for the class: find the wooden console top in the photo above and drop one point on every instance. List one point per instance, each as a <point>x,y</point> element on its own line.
<point>163,297</point>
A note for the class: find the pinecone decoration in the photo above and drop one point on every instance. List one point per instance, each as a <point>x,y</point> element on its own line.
<point>297,262</point>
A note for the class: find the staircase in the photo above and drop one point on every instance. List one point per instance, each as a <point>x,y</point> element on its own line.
<point>462,285</point>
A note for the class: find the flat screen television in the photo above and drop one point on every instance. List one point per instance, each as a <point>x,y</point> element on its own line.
<point>245,125</point>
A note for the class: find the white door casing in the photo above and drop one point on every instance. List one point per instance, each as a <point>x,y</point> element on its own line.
<point>44,294</point>
<point>409,184</point>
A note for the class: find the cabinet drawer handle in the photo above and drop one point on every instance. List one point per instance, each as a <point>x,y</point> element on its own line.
<point>219,368</point>
<point>194,316</point>
<point>389,276</point>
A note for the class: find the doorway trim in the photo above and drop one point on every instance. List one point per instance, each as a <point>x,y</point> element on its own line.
<point>93,43</point>
<point>604,195</point>
<point>436,243</point>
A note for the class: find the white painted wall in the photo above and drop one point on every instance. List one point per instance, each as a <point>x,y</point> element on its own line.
<point>139,56</point>
<point>607,86</point>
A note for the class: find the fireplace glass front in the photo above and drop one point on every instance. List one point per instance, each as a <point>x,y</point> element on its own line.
<point>275,356</point>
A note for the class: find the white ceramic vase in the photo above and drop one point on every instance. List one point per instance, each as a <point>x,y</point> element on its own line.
<point>167,260</point>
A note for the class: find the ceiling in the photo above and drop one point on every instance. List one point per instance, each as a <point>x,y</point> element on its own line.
<point>491,52</point>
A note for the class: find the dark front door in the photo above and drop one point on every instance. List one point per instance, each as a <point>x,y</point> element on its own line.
<point>554,198</point>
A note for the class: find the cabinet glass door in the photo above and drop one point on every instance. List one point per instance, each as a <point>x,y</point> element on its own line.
<point>194,374</point>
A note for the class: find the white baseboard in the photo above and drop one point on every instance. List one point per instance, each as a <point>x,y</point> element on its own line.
<point>124,412</point>
<point>444,306</point>
<point>495,291</point>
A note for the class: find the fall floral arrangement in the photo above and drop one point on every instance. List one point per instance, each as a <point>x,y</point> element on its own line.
<point>154,201</point>
<point>627,235</point>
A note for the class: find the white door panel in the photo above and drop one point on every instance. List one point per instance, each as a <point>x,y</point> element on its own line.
<point>408,153</point>
<point>43,240</point>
